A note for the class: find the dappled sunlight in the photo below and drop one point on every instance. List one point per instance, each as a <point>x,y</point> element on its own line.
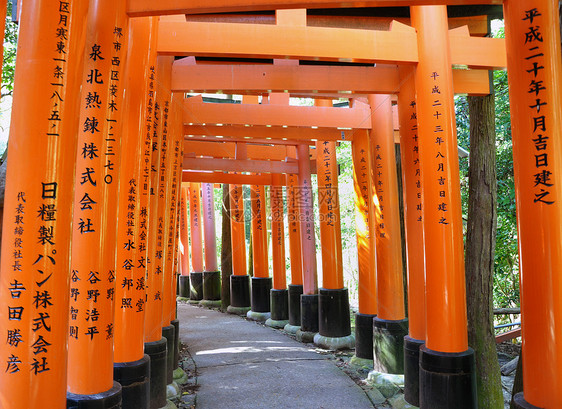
<point>251,349</point>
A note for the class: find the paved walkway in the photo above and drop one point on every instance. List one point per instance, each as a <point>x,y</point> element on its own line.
<point>244,365</point>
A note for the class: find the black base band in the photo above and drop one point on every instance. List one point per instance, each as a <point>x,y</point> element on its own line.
<point>309,312</point>
<point>157,351</point>
<point>261,287</point>
<point>364,336</point>
<point>168,332</point>
<point>110,399</point>
<point>447,380</point>
<point>196,281</point>
<point>520,402</point>
<point>279,305</point>
<point>184,287</point>
<point>412,370</point>
<point>240,291</point>
<point>134,378</point>
<point>212,285</point>
<point>176,324</point>
<point>295,292</point>
<point>388,345</point>
<point>333,310</point>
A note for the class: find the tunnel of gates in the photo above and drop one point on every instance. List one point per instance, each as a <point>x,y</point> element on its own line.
<point>107,152</point>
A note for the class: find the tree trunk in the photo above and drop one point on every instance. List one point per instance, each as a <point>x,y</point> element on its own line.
<point>518,381</point>
<point>226,249</point>
<point>480,249</point>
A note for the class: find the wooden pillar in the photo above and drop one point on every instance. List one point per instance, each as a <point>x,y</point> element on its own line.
<point>211,275</point>
<point>38,205</point>
<point>183,283</point>
<point>446,325</point>
<point>361,155</point>
<point>90,343</point>
<point>413,215</point>
<point>533,50</point>
<point>196,276</point>
<point>261,281</point>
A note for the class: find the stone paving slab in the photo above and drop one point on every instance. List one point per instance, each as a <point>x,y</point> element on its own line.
<point>244,365</point>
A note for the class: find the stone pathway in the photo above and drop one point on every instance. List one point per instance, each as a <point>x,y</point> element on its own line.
<point>241,364</point>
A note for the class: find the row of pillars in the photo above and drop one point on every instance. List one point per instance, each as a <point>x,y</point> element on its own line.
<point>90,230</point>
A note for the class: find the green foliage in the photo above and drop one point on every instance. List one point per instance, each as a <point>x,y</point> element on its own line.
<point>10,48</point>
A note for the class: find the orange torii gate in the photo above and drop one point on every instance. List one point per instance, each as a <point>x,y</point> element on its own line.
<point>532,29</point>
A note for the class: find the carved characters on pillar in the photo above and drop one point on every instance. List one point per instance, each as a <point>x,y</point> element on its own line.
<point>413,124</point>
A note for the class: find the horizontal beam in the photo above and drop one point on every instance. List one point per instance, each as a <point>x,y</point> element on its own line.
<point>210,138</point>
<point>264,78</point>
<point>198,112</point>
<point>240,165</point>
<point>137,8</point>
<point>227,150</point>
<point>228,178</point>
<point>264,132</point>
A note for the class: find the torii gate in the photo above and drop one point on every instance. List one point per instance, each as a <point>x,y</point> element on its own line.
<point>34,300</point>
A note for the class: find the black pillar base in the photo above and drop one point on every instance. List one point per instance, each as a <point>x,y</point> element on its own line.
<point>412,370</point>
<point>261,287</point>
<point>309,313</point>
<point>333,313</point>
<point>212,285</point>
<point>279,305</point>
<point>295,292</point>
<point>178,284</point>
<point>176,324</point>
<point>447,380</point>
<point>240,291</point>
<point>157,351</point>
<point>134,378</point>
<point>184,287</point>
<point>521,403</point>
<point>110,399</point>
<point>388,345</point>
<point>168,332</point>
<point>364,336</point>
<point>196,280</point>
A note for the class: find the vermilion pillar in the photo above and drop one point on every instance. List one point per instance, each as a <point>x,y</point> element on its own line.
<point>360,151</point>
<point>130,289</point>
<point>196,276</point>
<point>533,49</point>
<point>309,299</point>
<point>239,280</point>
<point>295,254</point>
<point>38,200</point>
<point>413,216</point>
<point>279,294</point>
<point>184,290</point>
<point>390,325</point>
<point>333,303</point>
<point>211,275</point>
<point>92,269</point>
<point>261,282</point>
<point>446,337</point>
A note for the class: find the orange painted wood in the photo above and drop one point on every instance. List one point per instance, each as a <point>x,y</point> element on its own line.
<point>367,280</point>
<point>198,112</point>
<point>34,290</point>
<point>295,238</point>
<point>243,79</point>
<point>129,322</point>
<point>228,178</point>
<point>390,287</point>
<point>259,232</point>
<point>227,150</point>
<point>184,232</point>
<point>413,211</point>
<point>446,323</point>
<point>196,227</point>
<point>304,199</point>
<point>90,347</point>
<point>533,40</point>
<point>269,134</point>
<point>278,233</point>
<point>508,336</point>
<point>237,226</point>
<point>239,165</point>
<point>209,229</point>
<point>163,7</point>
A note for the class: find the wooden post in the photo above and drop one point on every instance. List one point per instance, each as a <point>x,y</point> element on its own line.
<point>533,50</point>
<point>196,276</point>
<point>211,275</point>
<point>184,291</point>
<point>446,333</point>
<point>38,205</point>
